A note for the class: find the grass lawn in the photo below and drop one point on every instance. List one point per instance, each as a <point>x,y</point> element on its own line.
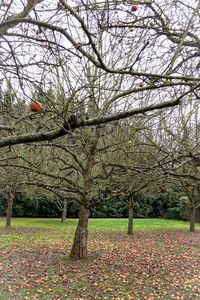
<point>160,261</point>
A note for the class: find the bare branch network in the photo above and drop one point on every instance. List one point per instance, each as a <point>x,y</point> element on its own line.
<point>92,63</point>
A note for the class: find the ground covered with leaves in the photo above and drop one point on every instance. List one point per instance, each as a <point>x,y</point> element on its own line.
<point>154,264</point>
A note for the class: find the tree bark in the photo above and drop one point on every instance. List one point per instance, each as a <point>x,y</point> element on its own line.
<point>9,209</point>
<point>130,216</point>
<point>79,248</point>
<point>64,212</point>
<point>197,213</point>
<point>192,219</point>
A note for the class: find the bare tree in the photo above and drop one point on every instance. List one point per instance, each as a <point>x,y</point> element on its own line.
<point>104,64</point>
<point>177,142</point>
<point>57,48</point>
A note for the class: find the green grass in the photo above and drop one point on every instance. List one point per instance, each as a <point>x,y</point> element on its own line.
<point>100,224</point>
<point>139,224</point>
<point>37,231</point>
<point>35,263</point>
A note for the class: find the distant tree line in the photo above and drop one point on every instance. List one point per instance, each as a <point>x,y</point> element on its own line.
<point>161,205</point>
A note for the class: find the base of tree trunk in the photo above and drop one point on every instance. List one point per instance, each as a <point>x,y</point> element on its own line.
<point>8,227</point>
<point>130,233</point>
<point>79,248</point>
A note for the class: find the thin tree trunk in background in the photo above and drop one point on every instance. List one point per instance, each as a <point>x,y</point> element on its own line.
<point>79,248</point>
<point>192,219</point>
<point>9,209</point>
<point>197,214</point>
<point>64,212</point>
<point>130,216</point>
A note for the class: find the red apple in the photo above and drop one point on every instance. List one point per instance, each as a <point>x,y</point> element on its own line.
<point>36,106</point>
<point>134,7</point>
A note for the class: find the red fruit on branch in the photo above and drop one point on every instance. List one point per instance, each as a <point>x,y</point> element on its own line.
<point>36,106</point>
<point>134,7</point>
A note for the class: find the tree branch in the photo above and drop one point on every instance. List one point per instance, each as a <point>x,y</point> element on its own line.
<point>12,21</point>
<point>72,123</point>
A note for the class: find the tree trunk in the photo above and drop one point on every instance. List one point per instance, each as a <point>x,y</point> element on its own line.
<point>64,212</point>
<point>197,214</point>
<point>192,219</point>
<point>9,209</point>
<point>130,216</point>
<point>79,248</point>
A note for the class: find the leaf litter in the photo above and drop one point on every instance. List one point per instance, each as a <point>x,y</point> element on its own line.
<point>149,265</point>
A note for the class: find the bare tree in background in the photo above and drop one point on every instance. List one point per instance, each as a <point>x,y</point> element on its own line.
<point>176,143</point>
